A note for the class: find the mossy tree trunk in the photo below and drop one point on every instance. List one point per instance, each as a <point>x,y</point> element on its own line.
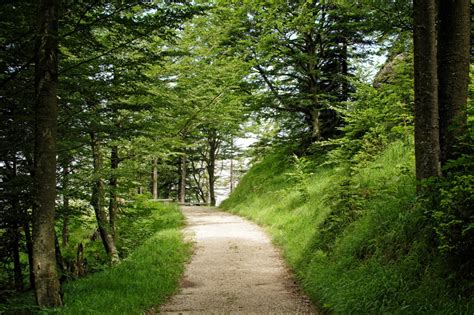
<point>427,149</point>
<point>47,286</point>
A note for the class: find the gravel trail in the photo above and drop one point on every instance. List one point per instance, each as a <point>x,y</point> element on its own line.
<point>235,270</point>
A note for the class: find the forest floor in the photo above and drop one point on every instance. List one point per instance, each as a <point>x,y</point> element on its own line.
<point>234,269</point>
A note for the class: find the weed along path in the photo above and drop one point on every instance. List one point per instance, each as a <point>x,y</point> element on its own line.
<point>235,269</point>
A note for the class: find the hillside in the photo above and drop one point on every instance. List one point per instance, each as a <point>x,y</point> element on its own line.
<point>355,236</point>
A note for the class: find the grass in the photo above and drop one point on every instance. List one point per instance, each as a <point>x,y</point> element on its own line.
<point>154,255</point>
<point>355,238</point>
<point>142,281</point>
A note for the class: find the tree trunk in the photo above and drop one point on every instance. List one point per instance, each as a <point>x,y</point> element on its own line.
<point>29,251</point>
<point>427,150</point>
<point>113,204</point>
<point>80,268</point>
<point>65,229</point>
<point>453,74</point>
<point>16,236</point>
<point>15,247</point>
<point>231,174</point>
<point>47,286</point>
<point>59,257</point>
<point>97,200</point>
<point>154,179</point>
<point>213,143</point>
<point>182,186</point>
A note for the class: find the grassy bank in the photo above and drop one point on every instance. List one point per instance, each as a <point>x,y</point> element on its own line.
<point>157,255</point>
<point>355,237</point>
<point>154,255</point>
<point>142,281</point>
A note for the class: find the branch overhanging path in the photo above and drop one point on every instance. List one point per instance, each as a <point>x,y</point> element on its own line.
<point>235,269</point>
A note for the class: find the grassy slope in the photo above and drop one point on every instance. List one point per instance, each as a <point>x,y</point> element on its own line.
<point>376,260</point>
<point>156,254</point>
<point>140,282</point>
<point>146,277</point>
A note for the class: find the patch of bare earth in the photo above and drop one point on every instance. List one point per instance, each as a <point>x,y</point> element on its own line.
<point>235,269</point>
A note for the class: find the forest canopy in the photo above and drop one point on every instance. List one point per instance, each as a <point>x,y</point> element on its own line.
<point>106,104</point>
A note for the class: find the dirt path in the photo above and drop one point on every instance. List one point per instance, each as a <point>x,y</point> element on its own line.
<point>235,269</point>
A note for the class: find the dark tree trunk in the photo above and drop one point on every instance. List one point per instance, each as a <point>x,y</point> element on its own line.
<point>182,186</point>
<point>16,238</point>
<point>15,247</point>
<point>47,286</point>
<point>154,179</point>
<point>29,250</point>
<point>427,150</point>
<point>113,203</point>
<point>344,71</point>
<point>200,190</point>
<point>453,74</point>
<point>65,229</point>
<point>80,268</point>
<point>97,201</point>
<point>213,143</point>
<point>231,173</point>
<point>59,257</point>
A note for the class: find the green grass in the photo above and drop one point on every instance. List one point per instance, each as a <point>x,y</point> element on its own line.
<point>355,238</point>
<point>154,255</point>
<point>142,281</point>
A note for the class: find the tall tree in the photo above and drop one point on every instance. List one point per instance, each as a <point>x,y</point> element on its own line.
<point>441,47</point>
<point>47,286</point>
<point>300,52</point>
<point>97,201</point>
<point>453,74</point>
<point>427,149</point>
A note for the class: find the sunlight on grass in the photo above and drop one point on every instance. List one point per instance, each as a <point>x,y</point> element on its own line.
<point>376,260</point>
<point>140,282</point>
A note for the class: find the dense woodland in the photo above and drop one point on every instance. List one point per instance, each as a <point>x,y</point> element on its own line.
<point>363,165</point>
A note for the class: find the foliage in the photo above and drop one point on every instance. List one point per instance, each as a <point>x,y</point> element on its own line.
<point>362,240</point>
<point>378,260</point>
<point>376,114</point>
<point>140,282</point>
<point>141,220</point>
<point>154,255</point>
<point>454,218</point>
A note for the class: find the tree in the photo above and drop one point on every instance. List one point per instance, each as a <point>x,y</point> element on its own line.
<point>300,53</point>
<point>453,75</point>
<point>47,286</point>
<point>427,150</point>
<point>209,80</point>
<point>441,82</point>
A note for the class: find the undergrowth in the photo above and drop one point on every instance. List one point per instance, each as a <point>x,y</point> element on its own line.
<point>153,257</point>
<point>356,235</point>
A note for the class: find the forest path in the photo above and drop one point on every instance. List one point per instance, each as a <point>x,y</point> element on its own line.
<point>235,269</point>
